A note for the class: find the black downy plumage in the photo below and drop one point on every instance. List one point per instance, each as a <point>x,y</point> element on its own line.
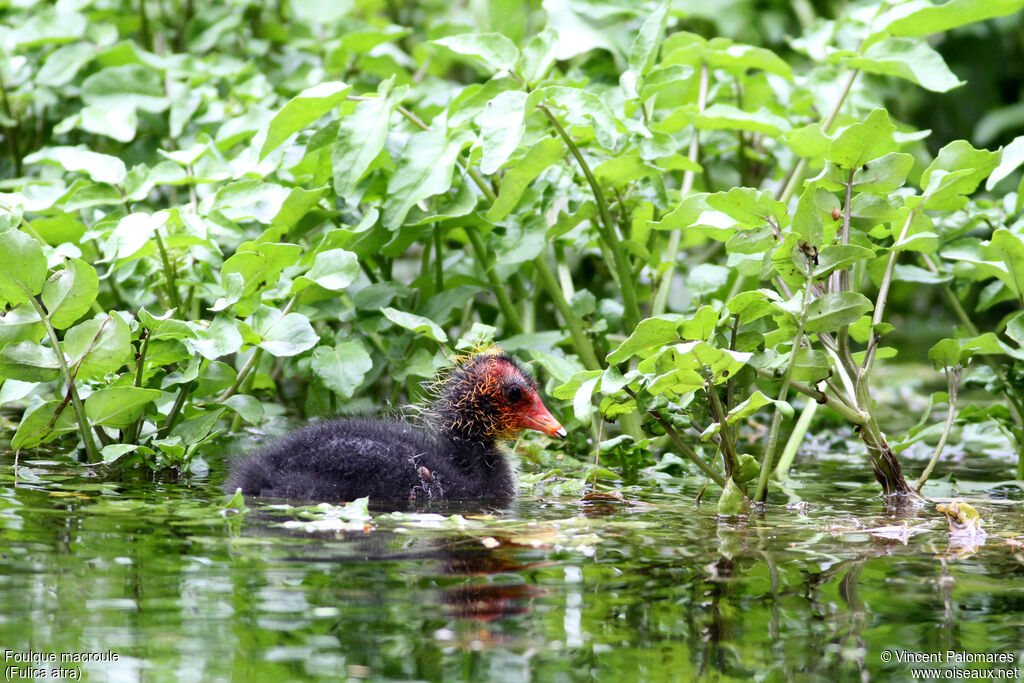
<point>485,399</point>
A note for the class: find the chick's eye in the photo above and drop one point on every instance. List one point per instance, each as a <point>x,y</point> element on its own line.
<point>514,393</point>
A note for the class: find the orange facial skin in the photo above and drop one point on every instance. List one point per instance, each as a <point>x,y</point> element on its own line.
<point>490,396</point>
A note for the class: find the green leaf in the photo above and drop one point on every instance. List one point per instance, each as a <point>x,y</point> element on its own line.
<point>284,336</point>
<point>302,110</point>
<point>885,174</point>
<point>69,293</point>
<point>830,312</point>
<point>129,86</point>
<point>221,338</point>
<point>24,267</point>
<point>334,269</point>
<point>1010,158</point>
<point>913,60</point>
<point>502,126</point>
<point>644,50</point>
<point>416,323</point>
<point>100,167</point>
<point>727,117</point>
<point>725,54</point>
<point>1010,247</point>
<point>42,425</point>
<point>28,361</point>
<point>749,206</point>
<point>21,324</point>
<point>521,173</point>
<point>859,143</point>
<point>247,407</point>
<point>921,17</point>
<point>493,49</point>
<point>538,56</point>
<point>651,333</point>
<point>945,353</point>
<point>343,367</point>
<point>957,170</point>
<point>754,403</point>
<point>839,256</point>
<point>98,346</point>
<point>424,170</point>
<point>361,137</point>
<point>582,108</point>
<point>118,406</point>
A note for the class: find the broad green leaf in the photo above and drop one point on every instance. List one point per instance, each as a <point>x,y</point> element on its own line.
<point>754,403</point>
<point>118,406</point>
<point>839,256</point>
<point>165,327</point>
<point>651,333</point>
<point>100,167</point>
<point>416,323</point>
<point>538,56</point>
<point>920,18</point>
<point>245,200</point>
<point>42,424</point>
<point>1015,329</point>
<point>957,170</point>
<point>830,312</point>
<point>582,108</point>
<point>129,86</point>
<point>49,25</point>
<point>885,174</point>
<point>302,110</point>
<point>68,294</point>
<point>343,367</point>
<point>1010,158</point>
<point>493,49</point>
<point>247,407</point>
<point>115,451</point>
<point>502,126</point>
<point>221,338</point>
<point>521,173</point>
<point>945,353</point>
<point>727,117</point>
<point>98,346</point>
<point>334,269</point>
<point>63,64</point>
<point>424,170</point>
<point>24,267</point>
<point>723,53</point>
<point>361,137</point>
<point>644,50</point>
<point>284,336</point>
<point>749,206</point>
<point>28,361</point>
<point>1010,247</point>
<point>21,324</point>
<point>859,143</point>
<point>913,60</point>
<point>622,170</point>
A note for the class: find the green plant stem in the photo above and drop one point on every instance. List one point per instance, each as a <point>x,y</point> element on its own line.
<point>850,414</point>
<point>761,491</point>
<point>883,295</point>
<point>665,287</point>
<point>728,443</point>
<point>175,411</point>
<point>691,454</point>
<point>789,452</point>
<point>500,293</point>
<point>606,227</point>
<point>952,387</point>
<point>13,133</point>
<point>796,175</point>
<point>84,430</point>
<point>169,274</point>
<point>580,340</point>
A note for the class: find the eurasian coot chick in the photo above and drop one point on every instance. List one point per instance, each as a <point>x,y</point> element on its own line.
<point>483,400</point>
